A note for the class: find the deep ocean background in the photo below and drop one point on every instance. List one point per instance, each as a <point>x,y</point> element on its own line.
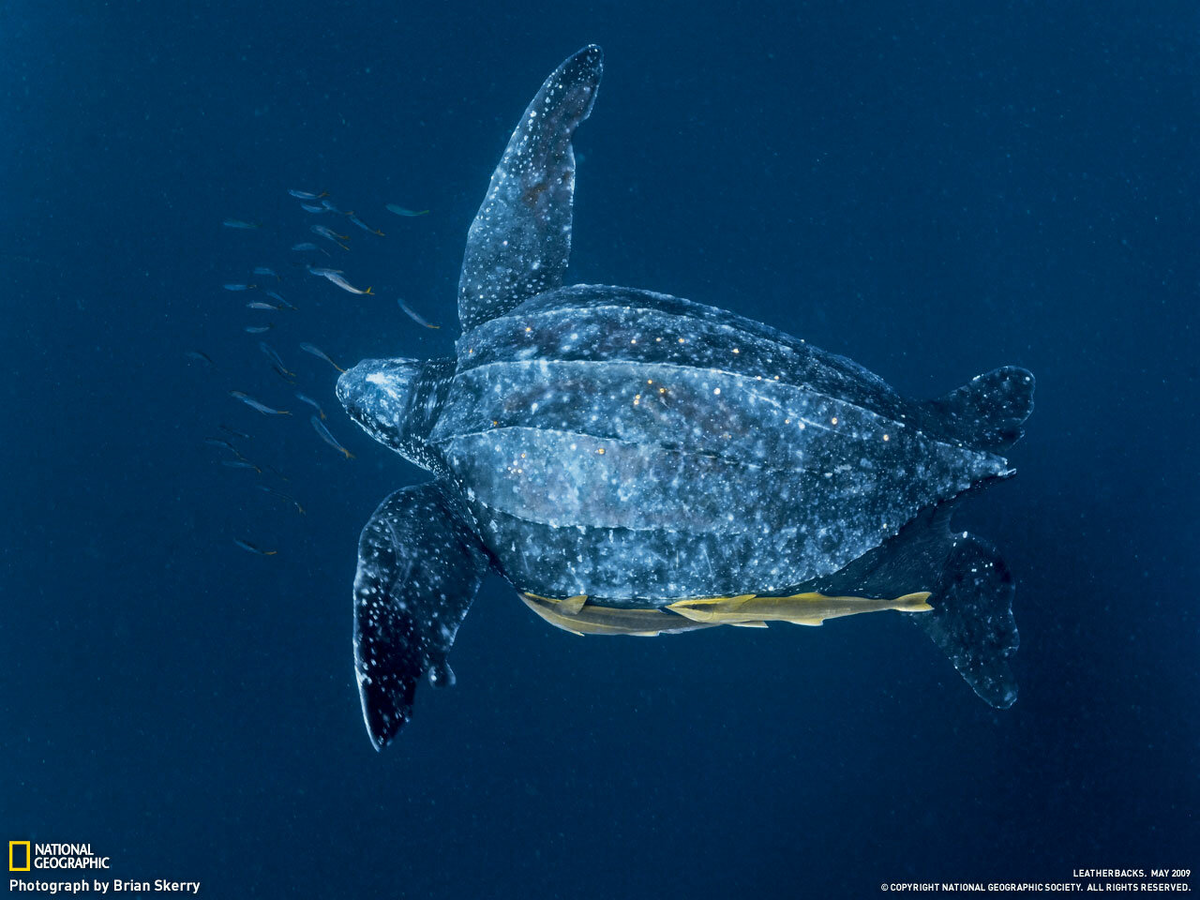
<point>933,189</point>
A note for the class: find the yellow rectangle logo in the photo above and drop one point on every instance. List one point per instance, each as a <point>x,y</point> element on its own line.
<point>12,861</point>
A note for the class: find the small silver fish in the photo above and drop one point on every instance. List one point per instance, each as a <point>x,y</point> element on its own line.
<point>420,320</point>
<point>269,352</point>
<point>329,438</point>
<point>254,404</point>
<point>401,211</point>
<point>363,225</point>
<point>280,495</point>
<point>246,545</point>
<point>239,287</point>
<point>241,463</point>
<point>341,282</point>
<point>307,245</point>
<point>311,402</point>
<point>308,207</point>
<point>330,234</point>
<point>287,376</point>
<point>277,364</point>
<point>238,223</point>
<point>258,329</point>
<point>307,195</point>
<point>274,296</point>
<point>201,357</point>
<point>263,270</point>
<point>261,304</point>
<point>320,354</point>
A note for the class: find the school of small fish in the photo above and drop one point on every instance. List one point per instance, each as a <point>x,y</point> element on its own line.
<point>267,287</point>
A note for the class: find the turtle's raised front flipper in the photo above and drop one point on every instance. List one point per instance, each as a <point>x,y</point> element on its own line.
<point>419,566</point>
<point>521,237</point>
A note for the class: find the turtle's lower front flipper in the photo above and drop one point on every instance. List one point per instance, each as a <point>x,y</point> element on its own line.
<point>419,566</point>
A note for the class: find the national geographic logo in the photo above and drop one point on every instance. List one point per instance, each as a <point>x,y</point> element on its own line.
<point>25,855</point>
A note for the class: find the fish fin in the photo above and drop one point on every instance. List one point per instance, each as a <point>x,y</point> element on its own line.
<point>419,567</point>
<point>572,605</point>
<point>520,240</point>
<point>987,412</point>
<point>972,619</point>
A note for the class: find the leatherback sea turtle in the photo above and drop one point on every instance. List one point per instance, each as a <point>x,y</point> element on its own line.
<point>634,463</point>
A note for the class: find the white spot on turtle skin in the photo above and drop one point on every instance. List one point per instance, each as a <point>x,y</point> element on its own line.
<point>379,379</point>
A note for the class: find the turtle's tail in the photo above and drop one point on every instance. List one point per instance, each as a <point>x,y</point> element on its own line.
<point>987,412</point>
<point>972,620</point>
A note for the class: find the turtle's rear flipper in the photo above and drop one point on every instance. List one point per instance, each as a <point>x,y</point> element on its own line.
<point>987,412</point>
<point>972,619</point>
<point>419,566</point>
<point>970,596</point>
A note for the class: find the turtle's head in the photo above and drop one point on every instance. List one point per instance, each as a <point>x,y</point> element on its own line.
<point>396,401</point>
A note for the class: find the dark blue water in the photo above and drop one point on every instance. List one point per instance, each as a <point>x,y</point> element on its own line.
<point>931,189</point>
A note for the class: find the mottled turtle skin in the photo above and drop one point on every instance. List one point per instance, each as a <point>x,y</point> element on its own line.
<point>636,449</point>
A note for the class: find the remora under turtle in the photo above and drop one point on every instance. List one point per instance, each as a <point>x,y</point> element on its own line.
<point>634,463</point>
